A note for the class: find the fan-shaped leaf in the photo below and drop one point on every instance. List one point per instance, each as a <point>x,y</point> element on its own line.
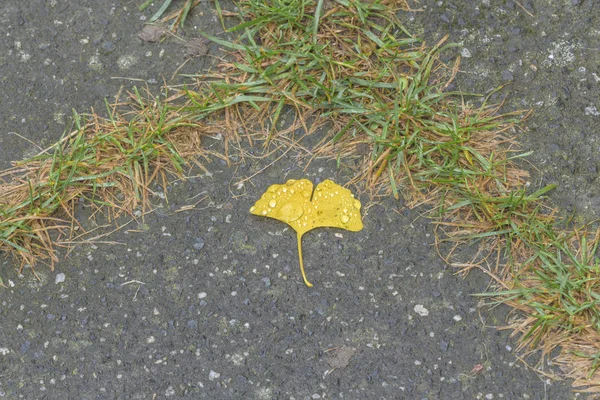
<point>295,203</point>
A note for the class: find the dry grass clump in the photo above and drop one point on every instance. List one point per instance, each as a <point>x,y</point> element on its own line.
<point>109,162</point>
<point>557,290</point>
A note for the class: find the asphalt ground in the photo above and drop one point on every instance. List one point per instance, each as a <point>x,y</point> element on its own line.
<point>209,303</point>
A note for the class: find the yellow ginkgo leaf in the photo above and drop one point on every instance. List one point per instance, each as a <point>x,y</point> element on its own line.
<point>295,204</point>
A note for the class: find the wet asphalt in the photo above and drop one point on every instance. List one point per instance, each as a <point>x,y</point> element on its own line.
<point>209,303</point>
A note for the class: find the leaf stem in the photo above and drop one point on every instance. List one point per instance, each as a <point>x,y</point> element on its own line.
<point>299,236</point>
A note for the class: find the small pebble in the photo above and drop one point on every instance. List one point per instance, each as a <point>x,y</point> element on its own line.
<point>444,345</point>
<point>591,111</point>
<point>422,311</point>
<point>60,278</point>
<point>192,324</point>
<point>199,245</point>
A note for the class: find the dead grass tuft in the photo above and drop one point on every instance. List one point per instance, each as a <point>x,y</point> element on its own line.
<point>111,163</point>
